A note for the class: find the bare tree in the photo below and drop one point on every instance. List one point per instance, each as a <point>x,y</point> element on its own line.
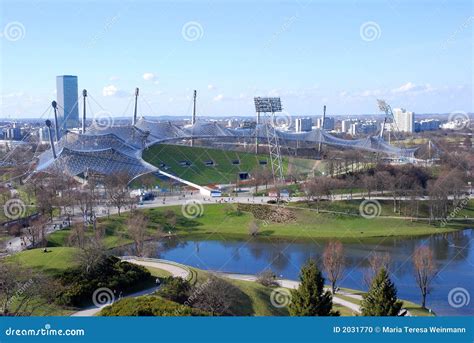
<point>215,296</point>
<point>91,255</point>
<point>118,194</point>
<point>377,261</point>
<point>253,228</point>
<point>425,270</point>
<point>23,291</point>
<point>333,260</point>
<point>35,232</point>
<point>137,224</point>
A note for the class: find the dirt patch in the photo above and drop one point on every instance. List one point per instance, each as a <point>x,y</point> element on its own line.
<point>272,214</point>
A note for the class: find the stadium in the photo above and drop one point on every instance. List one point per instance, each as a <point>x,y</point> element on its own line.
<point>109,149</point>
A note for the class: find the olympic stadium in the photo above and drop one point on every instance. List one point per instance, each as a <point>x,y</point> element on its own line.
<point>108,149</point>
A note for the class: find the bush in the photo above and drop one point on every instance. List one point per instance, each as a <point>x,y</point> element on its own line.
<point>149,306</point>
<point>267,278</point>
<point>175,289</point>
<point>111,272</point>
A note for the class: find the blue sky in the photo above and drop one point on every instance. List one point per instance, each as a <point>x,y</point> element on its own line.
<point>345,54</point>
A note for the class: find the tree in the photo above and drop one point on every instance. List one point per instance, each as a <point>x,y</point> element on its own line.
<point>23,291</point>
<point>253,228</point>
<point>310,298</point>
<point>333,260</point>
<point>381,299</point>
<point>216,296</point>
<point>118,194</point>
<point>137,224</point>
<point>35,232</point>
<point>376,262</point>
<point>91,256</point>
<point>425,270</point>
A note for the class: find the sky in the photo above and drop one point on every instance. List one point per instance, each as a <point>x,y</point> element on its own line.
<point>344,54</point>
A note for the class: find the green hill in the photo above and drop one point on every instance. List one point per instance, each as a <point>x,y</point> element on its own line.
<point>224,167</point>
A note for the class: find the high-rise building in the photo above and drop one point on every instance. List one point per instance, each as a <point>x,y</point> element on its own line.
<point>68,113</point>
<point>328,123</point>
<point>303,124</point>
<point>404,121</point>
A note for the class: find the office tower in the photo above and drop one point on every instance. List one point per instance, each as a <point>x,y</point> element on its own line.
<point>68,113</point>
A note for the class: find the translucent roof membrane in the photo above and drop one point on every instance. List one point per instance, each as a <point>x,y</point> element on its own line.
<point>115,149</point>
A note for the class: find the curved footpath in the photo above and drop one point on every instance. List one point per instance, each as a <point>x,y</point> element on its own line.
<point>177,270</point>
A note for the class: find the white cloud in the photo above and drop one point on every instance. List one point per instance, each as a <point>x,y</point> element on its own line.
<point>110,90</point>
<point>218,97</point>
<point>211,87</point>
<point>410,87</point>
<point>114,78</point>
<point>149,77</point>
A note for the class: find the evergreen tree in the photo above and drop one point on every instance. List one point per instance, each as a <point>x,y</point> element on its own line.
<point>310,299</point>
<point>381,300</point>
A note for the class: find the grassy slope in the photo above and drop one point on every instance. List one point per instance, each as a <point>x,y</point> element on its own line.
<point>222,172</point>
<point>309,224</point>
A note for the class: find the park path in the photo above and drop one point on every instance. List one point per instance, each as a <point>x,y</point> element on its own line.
<point>294,284</point>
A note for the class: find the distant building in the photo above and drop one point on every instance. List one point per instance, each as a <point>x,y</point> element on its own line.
<point>427,125</point>
<point>328,123</point>
<point>13,133</point>
<point>354,129</point>
<point>67,99</point>
<point>346,125</point>
<point>403,121</point>
<point>303,124</point>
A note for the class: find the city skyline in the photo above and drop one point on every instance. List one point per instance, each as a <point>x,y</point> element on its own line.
<point>413,56</point>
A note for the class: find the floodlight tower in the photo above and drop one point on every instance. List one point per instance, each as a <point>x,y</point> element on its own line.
<point>322,128</point>
<point>56,126</point>
<point>84,95</point>
<point>51,141</point>
<point>137,90</point>
<point>271,106</point>
<point>384,107</point>
<point>193,118</point>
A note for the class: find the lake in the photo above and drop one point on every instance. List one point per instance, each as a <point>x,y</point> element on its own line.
<point>453,253</point>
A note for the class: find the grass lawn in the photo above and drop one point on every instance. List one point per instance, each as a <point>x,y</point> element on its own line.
<point>157,272</point>
<point>55,261</point>
<point>223,170</point>
<point>218,221</point>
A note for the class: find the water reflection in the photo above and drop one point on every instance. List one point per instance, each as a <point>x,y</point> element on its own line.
<point>453,253</point>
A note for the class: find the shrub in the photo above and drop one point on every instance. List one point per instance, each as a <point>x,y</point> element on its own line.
<point>267,278</point>
<point>149,306</point>
<point>175,289</point>
<point>111,272</point>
